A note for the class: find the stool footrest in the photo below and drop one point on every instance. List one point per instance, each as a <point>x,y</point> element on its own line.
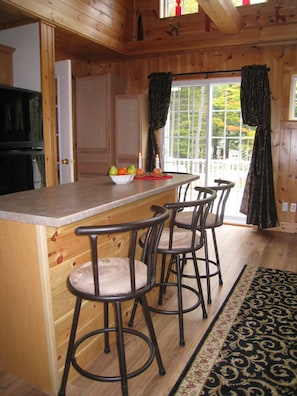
<point>176,312</point>
<point>115,378</point>
<point>214,273</point>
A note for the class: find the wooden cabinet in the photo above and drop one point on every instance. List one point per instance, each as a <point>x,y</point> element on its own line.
<point>131,128</point>
<point>6,70</point>
<point>95,102</point>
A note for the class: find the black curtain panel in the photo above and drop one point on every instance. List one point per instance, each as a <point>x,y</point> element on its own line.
<point>159,100</point>
<point>258,202</point>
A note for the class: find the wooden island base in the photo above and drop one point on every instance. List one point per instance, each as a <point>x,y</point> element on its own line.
<point>36,307</point>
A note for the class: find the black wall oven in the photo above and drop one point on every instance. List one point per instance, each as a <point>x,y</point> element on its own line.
<point>21,140</point>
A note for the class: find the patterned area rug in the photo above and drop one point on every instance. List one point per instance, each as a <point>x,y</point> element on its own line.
<point>251,346</point>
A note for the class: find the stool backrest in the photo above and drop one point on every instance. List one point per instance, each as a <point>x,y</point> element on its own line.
<point>153,229</point>
<point>182,189</point>
<point>222,189</point>
<point>198,211</point>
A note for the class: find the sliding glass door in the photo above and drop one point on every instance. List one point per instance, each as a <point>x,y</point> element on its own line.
<point>204,135</point>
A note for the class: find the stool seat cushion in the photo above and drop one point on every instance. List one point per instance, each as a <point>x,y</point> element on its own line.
<point>114,277</point>
<point>185,217</point>
<point>182,239</point>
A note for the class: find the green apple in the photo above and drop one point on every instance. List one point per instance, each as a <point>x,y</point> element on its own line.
<point>112,171</point>
<point>131,169</point>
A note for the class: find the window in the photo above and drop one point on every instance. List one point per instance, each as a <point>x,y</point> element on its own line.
<point>293,98</point>
<point>204,135</point>
<point>168,7</point>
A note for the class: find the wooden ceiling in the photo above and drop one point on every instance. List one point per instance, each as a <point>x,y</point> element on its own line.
<point>81,47</point>
<point>11,17</point>
<point>230,31</point>
<point>66,42</point>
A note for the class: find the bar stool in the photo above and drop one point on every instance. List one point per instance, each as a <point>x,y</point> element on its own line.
<point>112,281</point>
<point>214,219</point>
<point>180,246</point>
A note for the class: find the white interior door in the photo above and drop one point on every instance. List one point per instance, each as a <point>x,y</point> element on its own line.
<point>64,121</point>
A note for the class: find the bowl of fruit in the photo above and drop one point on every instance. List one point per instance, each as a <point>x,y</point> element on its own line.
<point>122,175</point>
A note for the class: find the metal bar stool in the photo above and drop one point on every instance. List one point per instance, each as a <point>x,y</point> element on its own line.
<point>112,281</point>
<point>180,246</point>
<point>214,219</point>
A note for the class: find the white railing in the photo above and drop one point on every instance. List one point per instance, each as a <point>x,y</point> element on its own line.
<point>228,169</point>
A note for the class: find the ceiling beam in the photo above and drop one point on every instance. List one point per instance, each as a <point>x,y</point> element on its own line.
<point>223,14</point>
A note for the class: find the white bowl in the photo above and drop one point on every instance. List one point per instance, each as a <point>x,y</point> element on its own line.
<point>122,179</point>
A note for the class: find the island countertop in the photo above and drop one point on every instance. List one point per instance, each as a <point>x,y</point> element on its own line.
<point>64,204</point>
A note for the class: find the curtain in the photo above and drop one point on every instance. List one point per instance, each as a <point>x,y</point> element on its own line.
<point>258,202</point>
<point>159,100</point>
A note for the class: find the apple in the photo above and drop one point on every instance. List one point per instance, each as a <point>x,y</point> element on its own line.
<point>131,169</point>
<point>112,171</point>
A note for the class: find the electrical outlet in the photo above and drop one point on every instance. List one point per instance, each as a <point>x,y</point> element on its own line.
<point>285,206</point>
<point>293,208</point>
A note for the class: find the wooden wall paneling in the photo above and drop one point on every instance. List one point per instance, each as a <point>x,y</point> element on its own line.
<point>79,68</point>
<point>84,19</point>
<point>291,129</point>
<point>96,69</point>
<point>179,44</point>
<point>275,61</point>
<point>282,60</point>
<point>48,87</point>
<point>140,75</point>
<point>287,175</point>
<point>87,18</point>
<point>186,63</point>
<point>282,175</point>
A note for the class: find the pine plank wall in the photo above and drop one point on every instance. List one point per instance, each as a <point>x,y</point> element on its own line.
<point>282,60</point>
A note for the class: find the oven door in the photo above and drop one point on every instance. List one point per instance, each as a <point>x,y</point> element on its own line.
<point>21,170</point>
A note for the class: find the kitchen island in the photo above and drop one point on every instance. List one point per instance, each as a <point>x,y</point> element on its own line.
<point>38,249</point>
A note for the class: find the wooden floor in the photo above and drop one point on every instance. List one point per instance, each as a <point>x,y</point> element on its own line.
<point>238,246</point>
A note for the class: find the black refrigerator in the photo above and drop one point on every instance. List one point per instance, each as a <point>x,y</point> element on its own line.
<point>21,140</point>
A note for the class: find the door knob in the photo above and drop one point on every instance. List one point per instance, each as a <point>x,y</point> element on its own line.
<point>65,161</point>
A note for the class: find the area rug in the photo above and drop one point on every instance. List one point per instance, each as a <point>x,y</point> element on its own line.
<point>251,346</point>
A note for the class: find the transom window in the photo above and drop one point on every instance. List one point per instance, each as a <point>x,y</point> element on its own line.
<point>170,8</point>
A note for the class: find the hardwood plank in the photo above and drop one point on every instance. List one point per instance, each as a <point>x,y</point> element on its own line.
<point>13,386</point>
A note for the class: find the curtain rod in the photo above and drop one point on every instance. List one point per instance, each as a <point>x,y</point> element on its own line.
<point>210,72</point>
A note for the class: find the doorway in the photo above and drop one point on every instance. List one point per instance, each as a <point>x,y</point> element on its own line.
<point>204,135</point>
<point>64,121</point>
